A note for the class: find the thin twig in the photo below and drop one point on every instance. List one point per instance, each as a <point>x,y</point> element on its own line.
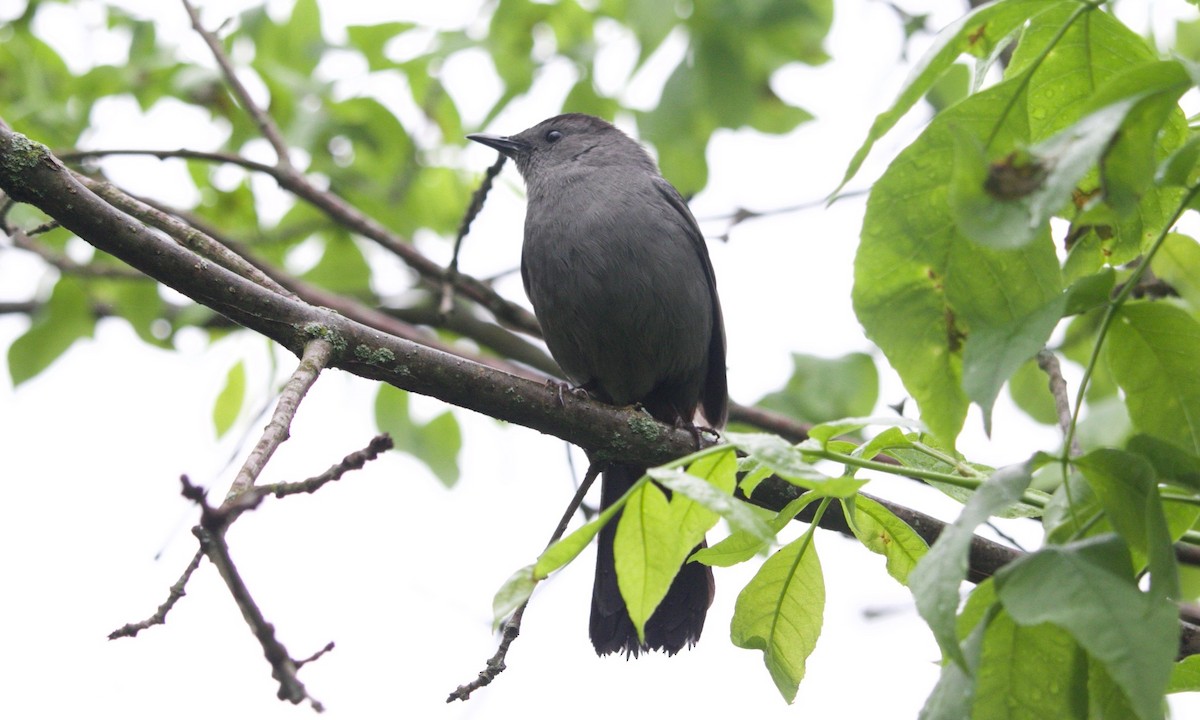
<point>354,461</point>
<point>178,590</point>
<point>264,122</point>
<point>211,534</point>
<point>316,356</point>
<point>512,628</point>
<point>350,217</point>
<point>315,656</point>
<point>1048,362</point>
<point>481,192</point>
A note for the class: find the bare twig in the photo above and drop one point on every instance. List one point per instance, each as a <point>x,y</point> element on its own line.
<point>777,423</point>
<point>512,628</point>
<point>1048,362</point>
<point>264,122</point>
<point>315,656</point>
<point>353,461</point>
<point>740,215</point>
<point>481,192</point>
<point>316,356</point>
<point>211,534</point>
<point>351,218</point>
<point>160,616</point>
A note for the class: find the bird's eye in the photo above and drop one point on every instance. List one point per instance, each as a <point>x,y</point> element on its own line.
<point>553,136</point>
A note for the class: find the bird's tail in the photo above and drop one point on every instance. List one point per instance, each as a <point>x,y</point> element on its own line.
<point>679,619</point>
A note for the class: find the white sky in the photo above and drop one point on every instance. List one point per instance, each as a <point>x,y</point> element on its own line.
<point>396,569</point>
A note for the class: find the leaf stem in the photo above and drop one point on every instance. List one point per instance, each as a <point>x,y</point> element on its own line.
<point>1110,314</point>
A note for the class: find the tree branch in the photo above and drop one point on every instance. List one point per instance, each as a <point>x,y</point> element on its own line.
<point>178,590</point>
<point>512,627</point>
<point>354,461</point>
<point>1048,362</point>
<point>264,122</point>
<point>346,215</point>
<point>316,357</point>
<point>33,175</point>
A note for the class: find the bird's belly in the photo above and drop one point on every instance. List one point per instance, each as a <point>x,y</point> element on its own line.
<point>622,318</point>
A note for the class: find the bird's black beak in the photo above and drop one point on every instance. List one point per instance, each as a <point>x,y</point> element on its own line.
<point>506,145</point>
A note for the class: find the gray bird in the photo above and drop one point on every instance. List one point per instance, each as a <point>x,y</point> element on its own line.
<point>620,280</point>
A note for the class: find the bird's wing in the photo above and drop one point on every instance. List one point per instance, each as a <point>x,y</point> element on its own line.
<point>716,393</point>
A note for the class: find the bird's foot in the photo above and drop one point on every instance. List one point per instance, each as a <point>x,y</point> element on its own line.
<point>561,387</point>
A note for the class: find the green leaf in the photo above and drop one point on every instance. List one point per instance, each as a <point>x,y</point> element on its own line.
<point>778,455</point>
<point>822,389</point>
<point>342,269</point>
<point>950,88</point>
<point>920,288</point>
<point>1088,589</point>
<point>1090,292</point>
<point>824,432</point>
<point>936,579</point>
<point>1153,350</point>
<point>1122,127</point>
<point>780,612</point>
<point>736,511</point>
<point>990,200</point>
<point>1177,263</point>
<point>1105,699</point>
<point>1180,166</point>
<point>1074,512</point>
<point>954,693</point>
<point>436,443</point>
<point>996,351</point>
<point>654,537</point>
<point>979,606</point>
<point>1029,672</point>
<point>64,318</point>
<point>893,438</point>
<point>1127,488</point>
<point>977,33</point>
<point>737,548</point>
<point>1185,676</point>
<point>512,594</point>
<point>1029,389</point>
<point>740,546</point>
<point>229,401</point>
<point>1171,463</point>
<point>439,442</point>
<point>568,548</point>
<point>1131,161</point>
<point>140,304</point>
<point>881,532</point>
<point>787,462</point>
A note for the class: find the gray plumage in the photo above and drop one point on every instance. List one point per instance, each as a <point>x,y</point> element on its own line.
<point>621,282</point>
